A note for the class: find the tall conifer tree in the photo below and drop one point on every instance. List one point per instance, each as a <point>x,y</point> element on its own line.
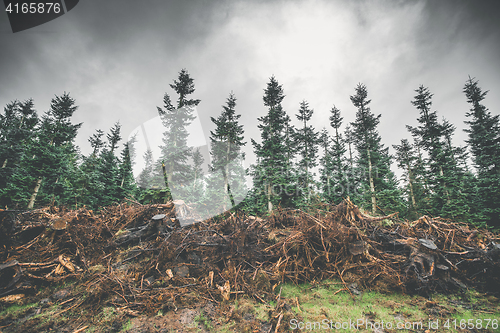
<point>145,180</point>
<point>335,171</point>
<point>484,145</point>
<point>127,183</point>
<point>444,176</point>
<point>407,160</point>
<point>175,153</point>
<point>227,173</point>
<point>17,134</point>
<point>306,140</point>
<point>373,158</point>
<point>273,179</point>
<point>54,154</point>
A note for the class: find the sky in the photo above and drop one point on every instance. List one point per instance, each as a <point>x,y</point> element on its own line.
<point>117,58</point>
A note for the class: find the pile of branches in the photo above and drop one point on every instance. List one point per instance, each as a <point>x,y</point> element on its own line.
<point>140,259</point>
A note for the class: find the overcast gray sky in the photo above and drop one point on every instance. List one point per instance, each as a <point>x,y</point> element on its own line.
<point>117,58</point>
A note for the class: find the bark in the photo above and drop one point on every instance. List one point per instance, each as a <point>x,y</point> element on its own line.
<point>410,182</point>
<point>372,186</point>
<point>350,156</point>
<point>165,179</point>
<point>269,203</point>
<point>227,191</point>
<point>35,193</point>
<point>307,166</point>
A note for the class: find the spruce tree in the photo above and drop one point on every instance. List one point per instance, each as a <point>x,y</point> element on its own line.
<point>444,176</point>
<point>108,171</point>
<point>17,133</point>
<point>127,183</point>
<point>197,178</point>
<point>175,153</point>
<point>53,155</point>
<point>96,141</point>
<point>89,184</point>
<point>306,140</point>
<point>373,163</point>
<point>349,139</point>
<point>484,145</point>
<point>114,136</point>
<point>145,180</point>
<point>226,170</point>
<point>327,184</point>
<point>272,175</point>
<point>339,185</point>
<point>407,159</point>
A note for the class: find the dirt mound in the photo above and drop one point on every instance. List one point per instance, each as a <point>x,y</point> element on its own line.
<point>139,259</point>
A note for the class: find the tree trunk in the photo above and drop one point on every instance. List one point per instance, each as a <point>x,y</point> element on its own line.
<point>31,204</point>
<point>307,182</point>
<point>372,186</point>
<point>421,162</point>
<point>350,157</point>
<point>165,179</point>
<point>226,182</point>
<point>269,203</point>
<point>441,173</point>
<point>410,182</point>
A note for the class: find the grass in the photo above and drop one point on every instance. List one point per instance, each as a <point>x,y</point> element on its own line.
<point>15,310</point>
<point>127,326</point>
<point>316,304</point>
<point>203,321</point>
<point>320,303</point>
<point>322,306</point>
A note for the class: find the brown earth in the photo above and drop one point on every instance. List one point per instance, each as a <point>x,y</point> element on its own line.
<point>137,261</point>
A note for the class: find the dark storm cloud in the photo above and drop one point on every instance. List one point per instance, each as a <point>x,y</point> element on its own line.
<point>104,30</point>
<point>117,58</point>
<point>102,51</point>
<point>477,18</point>
<point>448,23</point>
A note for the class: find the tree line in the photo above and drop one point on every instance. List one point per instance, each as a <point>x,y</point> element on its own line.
<point>297,166</point>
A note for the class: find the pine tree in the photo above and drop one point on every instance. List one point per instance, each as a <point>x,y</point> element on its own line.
<point>88,185</point>
<point>54,153</point>
<point>145,180</point>
<point>127,185</point>
<point>197,182</point>
<point>461,188</point>
<point>326,163</point>
<point>227,174</point>
<point>96,141</point>
<point>17,133</point>
<point>373,159</point>
<point>444,176</point>
<point>108,171</point>
<point>306,140</point>
<point>484,145</point>
<point>175,153</point>
<point>334,174</point>
<point>272,175</point>
<point>349,139</point>
<point>114,137</point>
<point>407,160</point>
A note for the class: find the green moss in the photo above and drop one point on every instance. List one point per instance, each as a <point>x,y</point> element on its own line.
<point>127,326</point>
<point>16,309</point>
<point>204,321</point>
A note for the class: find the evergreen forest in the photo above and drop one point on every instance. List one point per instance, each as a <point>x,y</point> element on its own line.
<point>296,166</point>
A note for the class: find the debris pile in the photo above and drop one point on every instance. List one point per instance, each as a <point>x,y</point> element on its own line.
<point>140,258</point>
